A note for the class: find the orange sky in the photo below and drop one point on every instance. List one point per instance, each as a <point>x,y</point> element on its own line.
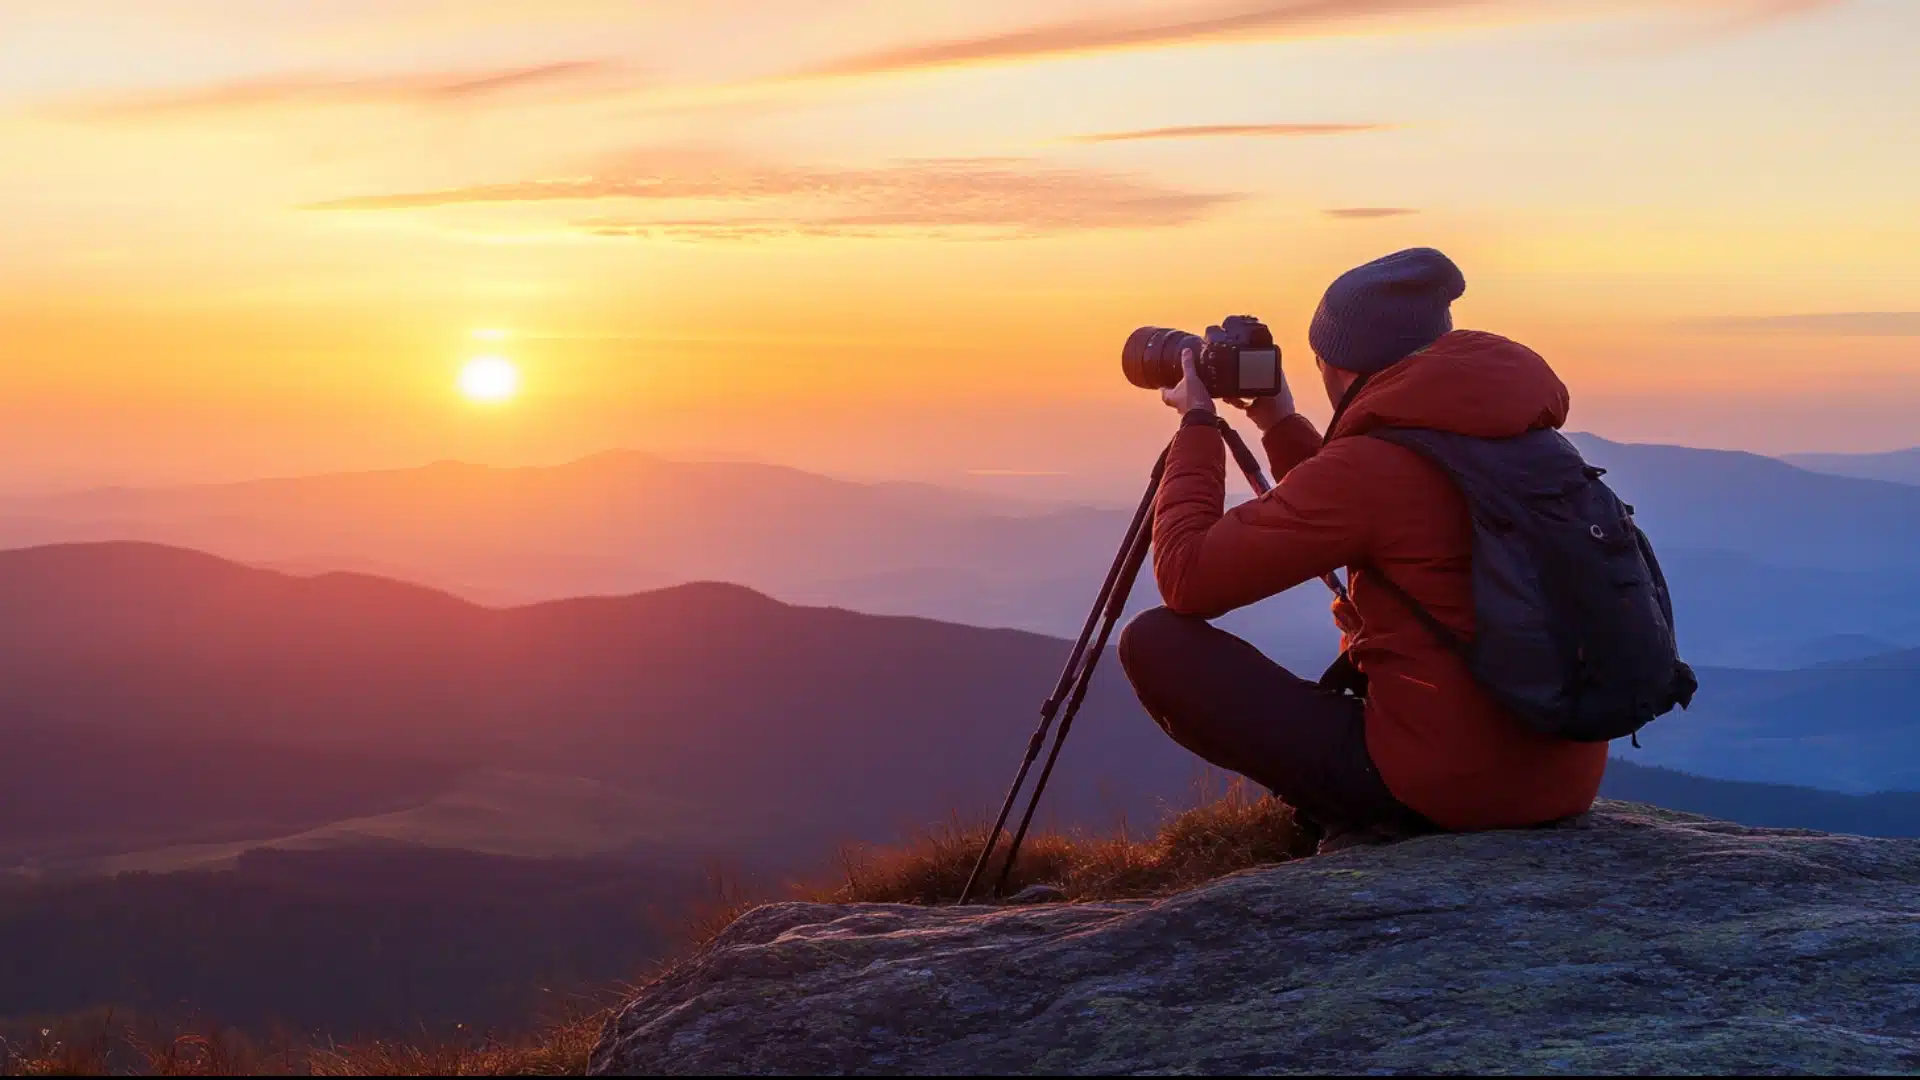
<point>245,238</point>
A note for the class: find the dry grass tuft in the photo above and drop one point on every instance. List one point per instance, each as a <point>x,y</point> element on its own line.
<point>68,1046</point>
<point>561,1050</point>
<point>88,1046</point>
<point>1235,832</point>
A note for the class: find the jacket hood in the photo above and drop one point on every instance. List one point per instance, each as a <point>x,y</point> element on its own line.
<point>1469,383</point>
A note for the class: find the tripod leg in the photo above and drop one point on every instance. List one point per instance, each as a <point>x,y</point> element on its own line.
<point>1069,675</point>
<point>1116,603</point>
<point>1080,665</point>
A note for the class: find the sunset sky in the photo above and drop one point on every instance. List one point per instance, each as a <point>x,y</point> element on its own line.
<point>256,237</point>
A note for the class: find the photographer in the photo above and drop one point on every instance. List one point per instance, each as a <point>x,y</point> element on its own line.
<point>1427,747</point>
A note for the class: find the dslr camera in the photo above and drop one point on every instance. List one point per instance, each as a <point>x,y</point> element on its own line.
<point>1237,359</point>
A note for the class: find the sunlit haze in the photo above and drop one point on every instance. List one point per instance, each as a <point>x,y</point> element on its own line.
<point>241,239</point>
<point>490,379</point>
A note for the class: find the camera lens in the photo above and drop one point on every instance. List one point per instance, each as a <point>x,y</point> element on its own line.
<point>1151,357</point>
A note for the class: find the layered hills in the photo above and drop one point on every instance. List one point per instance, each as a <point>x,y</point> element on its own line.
<point>1775,566</point>
<point>215,771</point>
<point>168,708</point>
<point>170,698</point>
<point>1899,466</point>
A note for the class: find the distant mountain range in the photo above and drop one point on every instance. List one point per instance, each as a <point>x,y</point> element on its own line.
<point>390,941</point>
<point>1734,610</point>
<point>610,524</point>
<point>1851,725</point>
<point>1899,466</point>
<point>1774,565</point>
<point>423,804</point>
<point>155,700</point>
<point>1761,508</point>
<point>1778,806</point>
<point>164,708</point>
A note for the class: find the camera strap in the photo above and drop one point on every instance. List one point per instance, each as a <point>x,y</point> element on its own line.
<point>1340,410</point>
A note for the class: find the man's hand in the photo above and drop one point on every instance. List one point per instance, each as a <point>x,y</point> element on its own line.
<point>1346,617</point>
<point>1189,393</point>
<point>1268,411</point>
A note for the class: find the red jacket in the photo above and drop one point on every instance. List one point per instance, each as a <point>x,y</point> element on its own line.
<point>1442,745</point>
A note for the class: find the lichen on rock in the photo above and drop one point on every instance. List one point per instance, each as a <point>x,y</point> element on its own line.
<point>1631,940</point>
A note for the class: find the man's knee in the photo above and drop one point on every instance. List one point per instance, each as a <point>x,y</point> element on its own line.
<point>1149,643</point>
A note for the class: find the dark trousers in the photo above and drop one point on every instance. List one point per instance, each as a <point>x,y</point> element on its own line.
<point>1221,698</point>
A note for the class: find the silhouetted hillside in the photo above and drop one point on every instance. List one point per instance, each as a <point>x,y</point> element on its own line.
<point>1899,466</point>
<point>1847,726</point>
<point>73,790</point>
<point>360,941</point>
<point>1768,805</point>
<point>1761,507</point>
<point>165,709</point>
<point>171,702</point>
<point>779,729</point>
<point>1895,660</point>
<point>1736,611</point>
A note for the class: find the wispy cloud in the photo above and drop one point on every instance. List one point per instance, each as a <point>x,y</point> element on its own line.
<point>1752,13</point>
<point>1832,324</point>
<point>750,199</point>
<point>1180,24</point>
<point>1169,25</point>
<point>1210,131</point>
<point>1362,212</point>
<point>412,88</point>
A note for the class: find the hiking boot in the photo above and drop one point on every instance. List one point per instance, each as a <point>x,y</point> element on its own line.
<point>1038,894</point>
<point>1340,837</point>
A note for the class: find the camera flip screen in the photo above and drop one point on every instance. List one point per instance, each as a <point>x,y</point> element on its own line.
<point>1259,369</point>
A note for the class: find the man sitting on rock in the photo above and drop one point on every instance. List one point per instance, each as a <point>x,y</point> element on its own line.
<point>1428,746</point>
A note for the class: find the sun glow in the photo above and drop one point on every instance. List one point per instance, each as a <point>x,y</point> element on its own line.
<point>489,379</point>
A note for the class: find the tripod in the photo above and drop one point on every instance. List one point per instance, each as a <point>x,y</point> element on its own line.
<point>1071,689</point>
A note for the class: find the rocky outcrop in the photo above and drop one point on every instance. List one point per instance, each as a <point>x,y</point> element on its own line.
<point>1633,940</point>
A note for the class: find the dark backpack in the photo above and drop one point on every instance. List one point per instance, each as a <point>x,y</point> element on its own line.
<point>1573,621</point>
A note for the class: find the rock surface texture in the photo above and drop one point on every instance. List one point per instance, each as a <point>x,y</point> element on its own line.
<point>1634,940</point>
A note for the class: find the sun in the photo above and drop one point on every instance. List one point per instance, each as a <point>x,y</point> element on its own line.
<point>489,379</point>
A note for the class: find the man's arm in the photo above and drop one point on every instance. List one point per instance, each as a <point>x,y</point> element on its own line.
<point>1289,438</point>
<point>1289,441</point>
<point>1208,562</point>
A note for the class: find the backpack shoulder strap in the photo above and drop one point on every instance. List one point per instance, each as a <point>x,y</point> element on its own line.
<point>1416,440</point>
<point>1441,631</point>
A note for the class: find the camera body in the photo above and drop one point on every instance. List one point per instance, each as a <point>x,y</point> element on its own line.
<point>1237,359</point>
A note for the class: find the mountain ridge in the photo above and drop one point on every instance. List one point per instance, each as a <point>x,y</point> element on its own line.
<point>118,646</point>
<point>1898,466</point>
<point>712,693</point>
<point>1773,565</point>
<point>1760,506</point>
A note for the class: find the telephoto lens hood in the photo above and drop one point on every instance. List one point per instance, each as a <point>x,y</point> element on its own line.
<point>1151,357</point>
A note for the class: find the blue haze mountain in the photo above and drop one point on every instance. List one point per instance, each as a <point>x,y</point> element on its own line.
<point>1899,466</point>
